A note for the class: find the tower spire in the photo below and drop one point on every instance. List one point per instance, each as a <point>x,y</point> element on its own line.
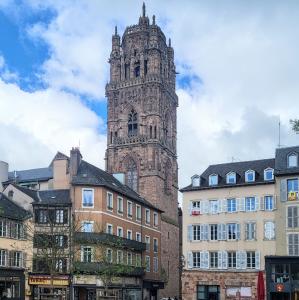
<point>115,30</point>
<point>143,9</point>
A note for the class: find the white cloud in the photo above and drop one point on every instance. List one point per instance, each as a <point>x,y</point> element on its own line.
<point>244,53</point>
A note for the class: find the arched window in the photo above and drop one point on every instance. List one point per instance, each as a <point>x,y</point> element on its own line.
<point>132,123</point>
<point>151,131</point>
<point>132,175</point>
<point>292,160</point>
<point>168,177</point>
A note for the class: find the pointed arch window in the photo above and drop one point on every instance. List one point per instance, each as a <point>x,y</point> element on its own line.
<point>132,123</point>
<point>132,175</point>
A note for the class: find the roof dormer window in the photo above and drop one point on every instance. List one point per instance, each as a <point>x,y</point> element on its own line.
<point>231,178</point>
<point>268,174</point>
<point>195,180</point>
<point>213,179</point>
<point>250,176</point>
<point>292,160</point>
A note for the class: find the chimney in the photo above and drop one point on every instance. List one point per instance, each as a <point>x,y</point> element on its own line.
<point>3,173</point>
<point>75,160</point>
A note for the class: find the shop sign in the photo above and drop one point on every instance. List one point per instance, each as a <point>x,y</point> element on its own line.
<point>292,196</point>
<point>238,291</point>
<point>279,287</point>
<point>47,280</point>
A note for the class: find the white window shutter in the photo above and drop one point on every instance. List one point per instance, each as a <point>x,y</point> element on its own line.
<point>206,232</point>
<point>82,254</point>
<point>254,231</point>
<point>238,231</point>
<point>283,190</point>
<point>274,201</point>
<point>202,233</point>
<point>220,260</point>
<point>92,254</point>
<point>190,207</point>
<point>257,260</point>
<point>207,259</point>
<point>202,260</point>
<point>224,259</point>
<point>224,232</point>
<point>224,205</point>
<point>238,260</point>
<point>243,259</point>
<point>190,233</point>
<point>262,203</point>
<point>190,260</point>
<point>206,207</point>
<point>219,232</point>
<point>257,203</point>
<point>241,204</point>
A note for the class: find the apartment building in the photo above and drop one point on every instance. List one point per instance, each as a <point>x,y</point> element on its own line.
<point>229,226</point>
<point>15,249</point>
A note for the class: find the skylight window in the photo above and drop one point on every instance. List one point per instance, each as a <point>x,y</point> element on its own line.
<point>250,176</point>
<point>231,178</point>
<point>195,180</point>
<point>213,179</point>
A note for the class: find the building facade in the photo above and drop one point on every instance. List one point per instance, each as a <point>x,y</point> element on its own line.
<point>229,226</point>
<point>141,128</point>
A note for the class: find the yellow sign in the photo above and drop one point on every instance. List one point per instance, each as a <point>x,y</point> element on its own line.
<point>292,196</point>
<point>46,280</point>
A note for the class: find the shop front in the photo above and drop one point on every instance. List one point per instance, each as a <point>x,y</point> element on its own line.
<point>282,277</point>
<point>46,287</point>
<point>12,284</point>
<point>151,288</point>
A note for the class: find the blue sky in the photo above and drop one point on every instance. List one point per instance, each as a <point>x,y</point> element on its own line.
<point>237,64</point>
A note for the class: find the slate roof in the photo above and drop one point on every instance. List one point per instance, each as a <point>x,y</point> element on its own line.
<point>31,193</point>
<point>240,168</point>
<point>11,210</point>
<point>90,175</point>
<point>40,174</point>
<point>281,161</point>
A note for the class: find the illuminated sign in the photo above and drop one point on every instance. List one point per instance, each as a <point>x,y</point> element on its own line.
<point>279,287</point>
<point>292,196</point>
<point>47,280</point>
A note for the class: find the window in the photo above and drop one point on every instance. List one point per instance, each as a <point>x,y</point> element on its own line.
<point>109,229</point>
<point>196,232</point>
<point>60,265</point>
<point>214,206</point>
<point>195,180</point>
<point>120,205</point>
<point>196,259</point>
<point>129,259</point>
<point>292,185</point>
<point>132,175</point>
<point>268,174</point>
<point>205,292</point>
<point>3,228</point>
<point>293,216</point>
<point>138,260</point>
<point>3,257</point>
<point>232,231</point>
<point>195,208</point>
<point>269,230</point>
<point>147,216</point>
<point>41,216</point>
<point>232,260</point>
<point>130,209</point>
<point>213,179</point>
<point>147,263</point>
<point>293,244</point>
<point>213,232</point>
<point>138,237</point>
<point>148,243</point>
<point>132,123</point>
<point>138,212</point>
<point>292,160</point>
<point>213,260</point>
<point>59,213</point>
<point>129,234</point>
<point>156,264</point>
<point>20,231</point>
<point>61,241</point>
<point>87,198</point>
<point>119,257</point>
<point>250,231</point>
<point>250,204</point>
<point>231,178</point>
<point>250,176</point>
<point>268,203</point>
<point>87,226</point>
<point>250,255</point>
<point>120,231</point>
<point>155,245</point>
<point>137,71</point>
<point>109,256</point>
<point>86,254</point>
<point>155,219</point>
<point>231,205</point>
<point>17,259</point>
<point>109,201</point>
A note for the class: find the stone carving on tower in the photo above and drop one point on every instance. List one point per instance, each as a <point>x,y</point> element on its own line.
<point>141,127</point>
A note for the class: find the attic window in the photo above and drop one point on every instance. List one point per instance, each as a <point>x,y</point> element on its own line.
<point>10,194</point>
<point>231,178</point>
<point>213,179</point>
<point>195,180</point>
<point>268,174</point>
<point>292,160</point>
<point>250,176</point>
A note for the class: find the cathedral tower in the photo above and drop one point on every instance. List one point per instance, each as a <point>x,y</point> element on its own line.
<point>141,138</point>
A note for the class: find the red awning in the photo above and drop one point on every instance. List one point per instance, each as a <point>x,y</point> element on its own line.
<point>260,286</point>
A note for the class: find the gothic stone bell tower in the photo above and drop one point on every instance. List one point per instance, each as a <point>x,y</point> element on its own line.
<point>141,138</point>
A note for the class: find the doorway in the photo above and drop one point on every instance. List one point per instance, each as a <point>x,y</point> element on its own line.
<point>280,296</point>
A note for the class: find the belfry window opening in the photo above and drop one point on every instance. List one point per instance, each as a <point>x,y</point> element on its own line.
<point>132,175</point>
<point>132,123</point>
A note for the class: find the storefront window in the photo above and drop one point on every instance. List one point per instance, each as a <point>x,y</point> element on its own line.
<point>9,287</point>
<point>280,273</point>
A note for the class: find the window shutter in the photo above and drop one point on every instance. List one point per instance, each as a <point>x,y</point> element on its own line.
<point>238,260</point>
<point>224,260</point>
<point>295,216</point>
<point>24,258</point>
<point>206,232</point>
<point>246,231</point>
<point>65,216</point>
<point>254,231</point>
<point>224,205</point>
<point>207,259</point>
<point>190,233</point>
<point>82,255</point>
<point>224,232</point>
<point>190,207</point>
<point>219,232</point>
<point>241,204</point>
<point>205,207</point>
<point>274,201</point>
<point>283,190</point>
<point>257,260</point>
<point>220,260</point>
<point>257,203</point>
<point>202,259</point>
<point>202,234</point>
<point>262,203</point>
<point>243,259</point>
<point>238,231</point>
<point>36,214</point>
<point>190,260</point>
<point>290,216</point>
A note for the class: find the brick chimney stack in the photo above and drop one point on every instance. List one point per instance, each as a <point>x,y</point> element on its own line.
<point>75,160</point>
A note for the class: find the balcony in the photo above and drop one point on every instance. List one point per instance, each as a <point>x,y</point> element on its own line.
<point>134,139</point>
<point>109,240</point>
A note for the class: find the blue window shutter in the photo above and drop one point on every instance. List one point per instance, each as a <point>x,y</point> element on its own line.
<point>283,190</point>
<point>262,203</point>
<point>190,233</point>
<point>257,203</point>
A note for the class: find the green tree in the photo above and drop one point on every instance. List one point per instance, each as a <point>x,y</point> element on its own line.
<point>295,125</point>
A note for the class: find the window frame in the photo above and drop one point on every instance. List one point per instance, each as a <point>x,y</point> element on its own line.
<point>229,206</point>
<point>120,212</point>
<point>122,231</point>
<point>147,210</point>
<point>155,245</point>
<point>265,230</point>
<point>82,202</point>
<point>130,216</point>
<point>247,173</point>
<point>109,250</point>
<point>148,244</point>
<point>234,177</point>
<point>250,260</point>
<point>108,194</point>
<point>250,199</point>
<point>107,226</point>
<point>138,234</point>
<point>85,222</point>
<point>211,179</point>
<point>266,202</point>
<point>156,219</point>
<point>138,216</point>
<point>214,259</point>
<point>147,263</point>
<point>272,173</point>
<point>131,234</point>
<point>292,154</point>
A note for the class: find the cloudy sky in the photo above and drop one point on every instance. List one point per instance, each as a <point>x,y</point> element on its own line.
<point>238,75</point>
